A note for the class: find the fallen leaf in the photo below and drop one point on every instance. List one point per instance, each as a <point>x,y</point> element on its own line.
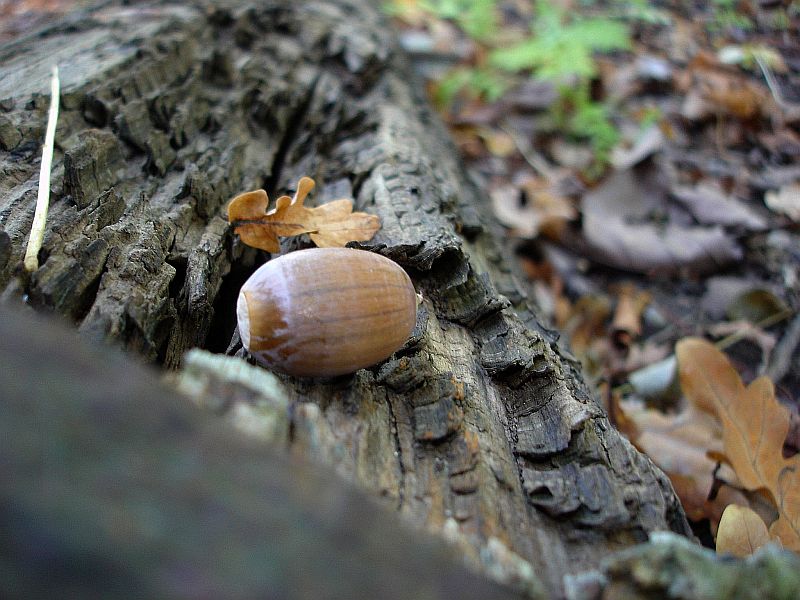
<point>571,155</point>
<point>741,532</point>
<point>678,443</point>
<point>725,496</point>
<point>717,90</point>
<point>627,323</point>
<point>530,206</point>
<point>646,248</point>
<point>745,330</point>
<point>721,292</point>
<point>755,426</point>
<point>710,206</point>
<point>648,143</point>
<point>333,224</point>
<point>785,201</point>
<point>755,305</point>
<point>656,379</point>
<point>748,55</point>
<point>498,143</point>
<point>621,229</point>
<point>587,323</point>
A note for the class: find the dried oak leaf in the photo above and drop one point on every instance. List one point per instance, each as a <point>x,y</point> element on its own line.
<point>678,444</point>
<point>330,225</point>
<point>754,430</point>
<point>741,531</point>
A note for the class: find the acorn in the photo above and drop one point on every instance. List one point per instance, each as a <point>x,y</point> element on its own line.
<point>326,311</point>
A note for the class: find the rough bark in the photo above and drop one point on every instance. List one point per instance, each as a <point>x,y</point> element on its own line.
<point>481,425</point>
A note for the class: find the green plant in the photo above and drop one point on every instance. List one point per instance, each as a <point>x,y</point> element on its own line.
<point>478,18</point>
<point>583,118</point>
<point>725,15</point>
<point>639,10</point>
<point>477,82</point>
<point>650,116</point>
<point>561,47</point>
<point>558,47</point>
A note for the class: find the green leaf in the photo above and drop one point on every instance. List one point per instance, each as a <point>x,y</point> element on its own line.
<point>599,34</point>
<point>478,18</point>
<point>451,85</point>
<point>475,82</point>
<point>528,54</point>
<point>559,50</point>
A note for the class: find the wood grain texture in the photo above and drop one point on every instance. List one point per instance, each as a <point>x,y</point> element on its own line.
<point>480,427</point>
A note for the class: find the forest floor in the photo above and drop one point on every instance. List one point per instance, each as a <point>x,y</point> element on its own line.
<point>644,158</point>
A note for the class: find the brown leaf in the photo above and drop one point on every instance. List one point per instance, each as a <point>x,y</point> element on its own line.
<point>331,225</point>
<point>725,496</point>
<point>542,211</point>
<point>627,323</point>
<point>498,143</point>
<point>586,324</point>
<point>620,229</point>
<point>678,444</point>
<point>716,89</point>
<point>741,532</point>
<point>754,429</point>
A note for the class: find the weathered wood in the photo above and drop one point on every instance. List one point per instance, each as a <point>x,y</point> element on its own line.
<point>480,426</point>
<point>111,486</point>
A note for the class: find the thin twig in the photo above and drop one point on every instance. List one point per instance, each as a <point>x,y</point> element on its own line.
<point>781,360</point>
<point>769,321</point>
<point>792,109</point>
<point>43,197</point>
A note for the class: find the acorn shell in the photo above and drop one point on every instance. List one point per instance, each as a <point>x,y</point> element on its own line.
<point>326,311</point>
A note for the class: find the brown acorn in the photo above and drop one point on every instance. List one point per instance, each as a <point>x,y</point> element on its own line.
<point>326,311</point>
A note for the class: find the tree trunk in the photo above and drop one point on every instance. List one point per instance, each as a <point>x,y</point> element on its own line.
<point>480,426</point>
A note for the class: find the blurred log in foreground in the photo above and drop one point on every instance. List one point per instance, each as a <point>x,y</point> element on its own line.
<point>111,486</point>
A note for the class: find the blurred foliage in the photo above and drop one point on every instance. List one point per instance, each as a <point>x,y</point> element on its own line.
<point>556,45</point>
<point>725,15</point>
<point>583,118</point>
<point>560,46</point>
<point>478,18</point>
<point>479,82</point>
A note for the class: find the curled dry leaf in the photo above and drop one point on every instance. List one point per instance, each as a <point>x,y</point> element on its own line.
<point>544,210</point>
<point>619,229</point>
<point>678,444</point>
<point>741,531</point>
<point>786,201</point>
<point>331,225</point>
<point>754,430</point>
<point>627,324</point>
<point>715,89</point>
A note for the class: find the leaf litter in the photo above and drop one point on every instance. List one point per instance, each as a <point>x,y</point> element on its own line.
<point>673,161</point>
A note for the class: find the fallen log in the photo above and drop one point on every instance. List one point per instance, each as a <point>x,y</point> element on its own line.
<point>480,426</point>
